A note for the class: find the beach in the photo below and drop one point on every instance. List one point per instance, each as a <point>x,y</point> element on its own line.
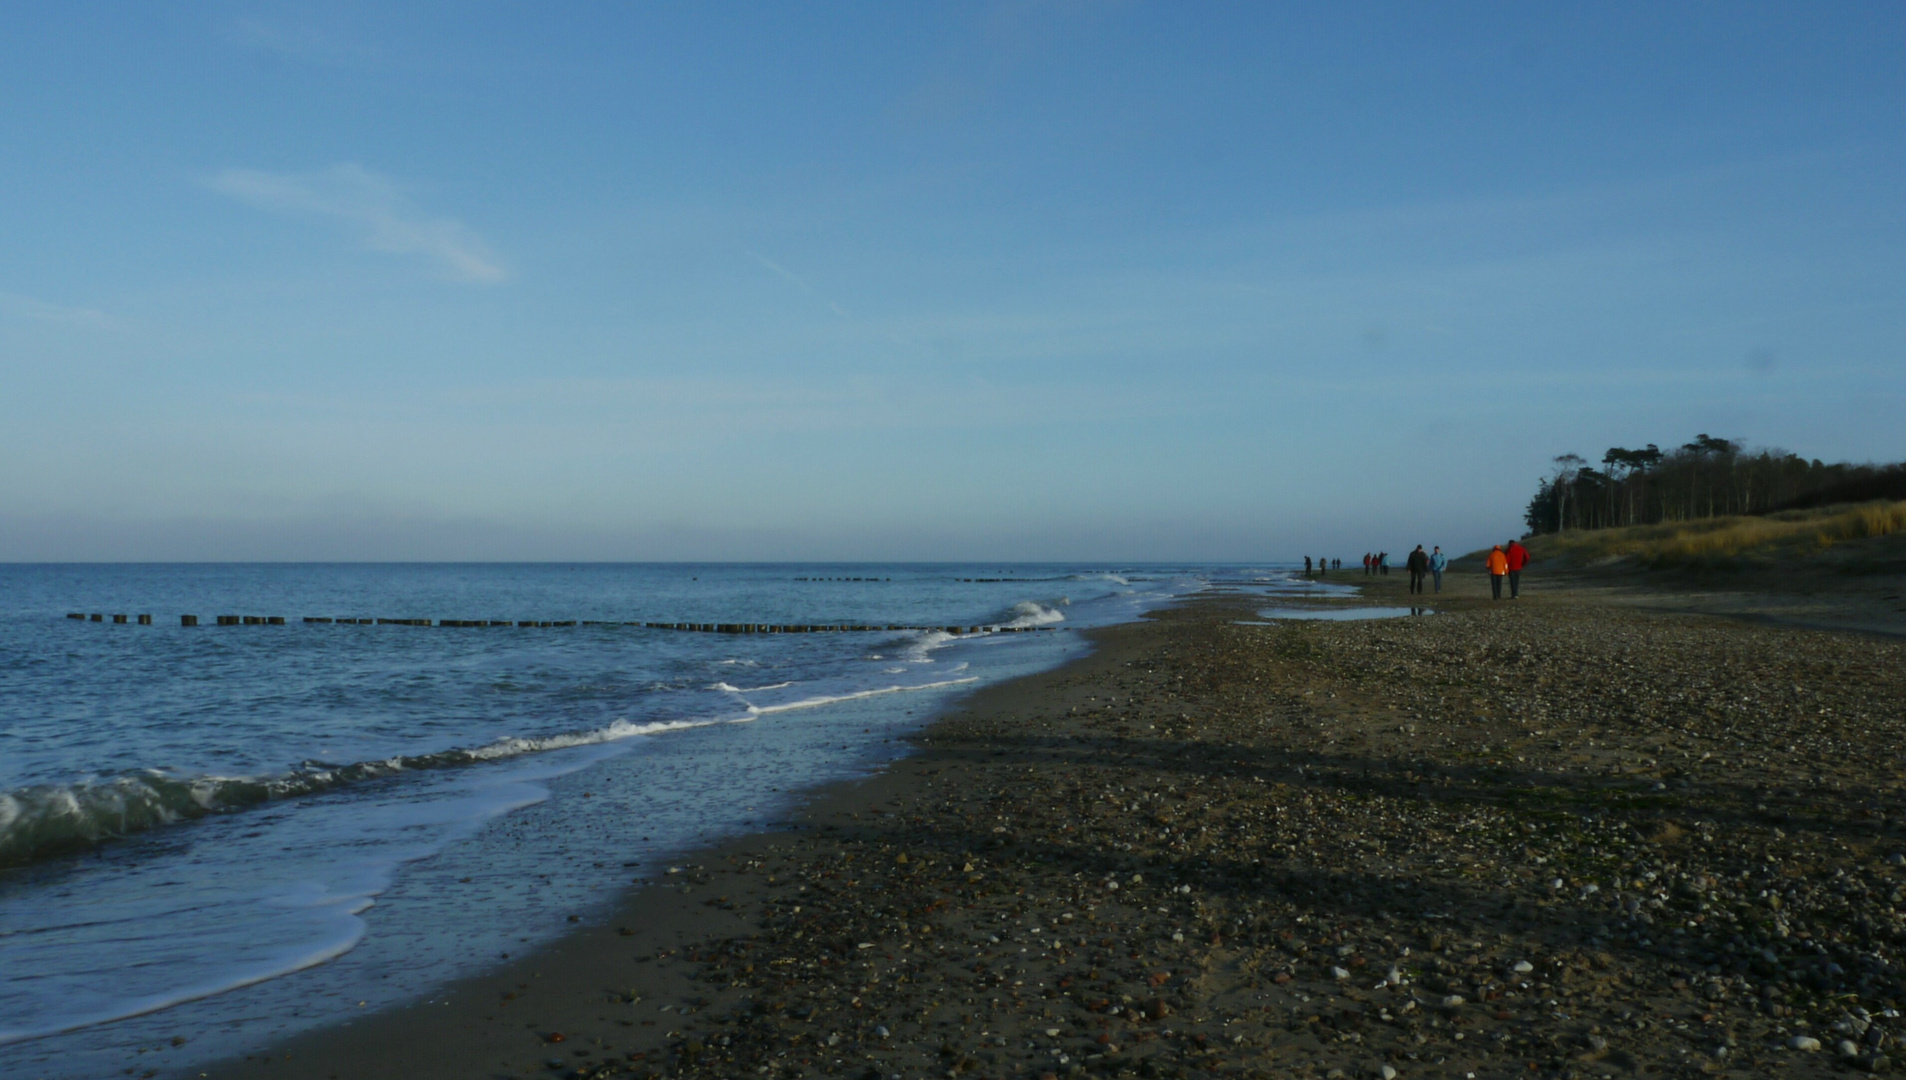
<point>1555,836</point>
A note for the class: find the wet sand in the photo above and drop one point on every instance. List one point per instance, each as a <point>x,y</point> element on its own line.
<point>1554,837</point>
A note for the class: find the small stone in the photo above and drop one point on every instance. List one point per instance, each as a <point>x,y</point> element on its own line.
<point>1803,1042</point>
<point>1339,973</point>
<point>1597,1043</point>
<point>880,1030</point>
<point>1847,1048</point>
<point>1388,1072</point>
<point>1523,967</point>
<point>1452,1001</point>
<point>1052,1033</point>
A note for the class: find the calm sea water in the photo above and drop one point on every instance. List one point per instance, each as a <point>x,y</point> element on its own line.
<point>226,834</point>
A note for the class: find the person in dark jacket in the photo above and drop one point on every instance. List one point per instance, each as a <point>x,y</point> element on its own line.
<point>1518,558</point>
<point>1418,566</point>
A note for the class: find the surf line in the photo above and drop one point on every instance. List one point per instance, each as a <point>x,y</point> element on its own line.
<point>689,627</point>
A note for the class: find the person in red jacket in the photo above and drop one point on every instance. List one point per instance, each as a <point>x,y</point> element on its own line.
<point>1518,558</point>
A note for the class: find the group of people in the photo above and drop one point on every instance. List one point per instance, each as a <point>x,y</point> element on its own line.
<point>1505,561</point>
<point>1423,564</point>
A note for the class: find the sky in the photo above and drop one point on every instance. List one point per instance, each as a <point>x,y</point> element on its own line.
<point>958,281</point>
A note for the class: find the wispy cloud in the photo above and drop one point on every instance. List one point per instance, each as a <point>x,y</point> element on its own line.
<point>26,307</point>
<point>373,206</point>
<point>300,40</point>
<point>800,282</point>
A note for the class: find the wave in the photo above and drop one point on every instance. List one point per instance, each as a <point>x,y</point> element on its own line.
<point>726,688</point>
<point>48,820</point>
<point>829,699</point>
<point>1027,613</point>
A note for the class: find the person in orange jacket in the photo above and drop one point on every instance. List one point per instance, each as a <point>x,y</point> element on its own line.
<point>1498,564</point>
<point>1518,558</point>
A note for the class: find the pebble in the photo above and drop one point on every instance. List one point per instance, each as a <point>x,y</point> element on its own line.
<point>1523,967</point>
<point>1452,1001</point>
<point>1803,1042</point>
<point>1387,1072</point>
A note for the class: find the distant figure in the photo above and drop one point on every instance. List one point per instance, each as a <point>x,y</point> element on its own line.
<point>1498,566</point>
<point>1418,566</point>
<point>1306,566</point>
<point>1366,564</point>
<point>1438,562</point>
<point>1518,558</point>
<point>1383,563</point>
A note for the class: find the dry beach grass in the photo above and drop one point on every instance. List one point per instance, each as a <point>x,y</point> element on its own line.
<point>1554,837</point>
<point>1728,542</point>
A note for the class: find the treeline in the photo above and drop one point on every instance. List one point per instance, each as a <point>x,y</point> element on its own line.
<point>1708,477</point>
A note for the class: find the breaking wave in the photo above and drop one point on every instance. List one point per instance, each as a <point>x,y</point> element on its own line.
<point>1026,613</point>
<point>47,820</point>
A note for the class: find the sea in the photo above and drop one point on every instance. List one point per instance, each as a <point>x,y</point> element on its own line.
<point>214,836</point>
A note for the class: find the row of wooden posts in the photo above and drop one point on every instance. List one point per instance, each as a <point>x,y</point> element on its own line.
<point>705,628</point>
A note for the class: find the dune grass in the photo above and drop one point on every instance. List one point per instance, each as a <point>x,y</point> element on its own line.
<point>1728,542</point>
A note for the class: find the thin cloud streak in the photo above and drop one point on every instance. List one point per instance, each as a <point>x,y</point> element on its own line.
<point>798,281</point>
<point>372,205</point>
<point>27,307</point>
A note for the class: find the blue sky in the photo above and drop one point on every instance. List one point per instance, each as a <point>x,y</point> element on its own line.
<point>1071,281</point>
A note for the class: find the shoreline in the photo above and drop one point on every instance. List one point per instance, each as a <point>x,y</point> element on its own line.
<point>1511,839</point>
<point>589,972</point>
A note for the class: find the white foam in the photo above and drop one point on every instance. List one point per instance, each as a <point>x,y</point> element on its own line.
<point>829,699</point>
<point>1027,613</point>
<point>726,688</point>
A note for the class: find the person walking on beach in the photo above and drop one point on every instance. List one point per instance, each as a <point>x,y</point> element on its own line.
<point>1438,562</point>
<point>1418,566</point>
<point>1306,566</point>
<point>1366,564</point>
<point>1383,563</point>
<point>1518,557</point>
<point>1498,564</point>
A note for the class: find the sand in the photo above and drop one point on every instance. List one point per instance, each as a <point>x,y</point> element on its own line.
<point>1559,836</point>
